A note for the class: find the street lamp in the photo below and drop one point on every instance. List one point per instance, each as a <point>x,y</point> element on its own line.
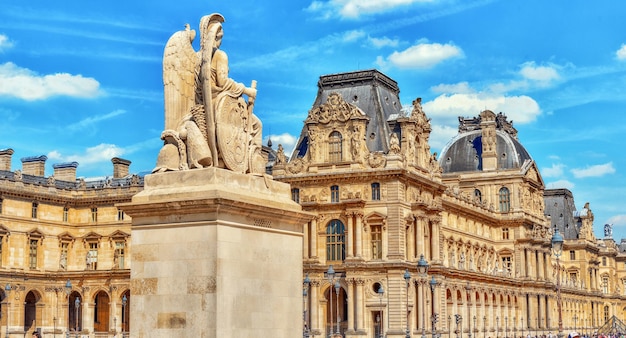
<point>435,316</point>
<point>557,250</point>
<point>458,319</point>
<point>484,326</point>
<point>124,319</point>
<point>381,292</point>
<point>307,282</point>
<point>7,291</point>
<point>68,290</point>
<point>422,270</point>
<point>407,278</point>
<point>76,306</point>
<point>337,287</point>
<point>330,274</point>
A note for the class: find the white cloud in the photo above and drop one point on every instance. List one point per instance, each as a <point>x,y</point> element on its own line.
<point>94,119</point>
<point>440,136</point>
<point>560,184</point>
<point>520,109</point>
<point>287,140</point>
<point>422,55</point>
<point>617,220</point>
<point>353,35</point>
<point>5,43</point>
<point>353,9</point>
<point>533,72</point>
<point>457,88</point>
<point>621,53</point>
<point>383,42</point>
<point>28,85</point>
<point>555,171</point>
<point>100,153</point>
<point>597,170</point>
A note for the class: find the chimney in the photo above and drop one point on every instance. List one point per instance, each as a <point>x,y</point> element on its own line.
<point>65,171</point>
<point>34,165</point>
<point>120,167</point>
<point>5,159</point>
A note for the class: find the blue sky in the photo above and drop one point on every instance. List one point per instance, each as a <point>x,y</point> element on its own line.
<point>82,82</point>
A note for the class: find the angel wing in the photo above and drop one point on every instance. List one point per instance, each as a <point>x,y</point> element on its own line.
<point>180,62</point>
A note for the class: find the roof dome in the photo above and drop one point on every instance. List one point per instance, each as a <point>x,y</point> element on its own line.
<point>465,151</point>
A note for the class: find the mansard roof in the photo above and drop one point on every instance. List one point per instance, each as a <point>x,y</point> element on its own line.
<point>373,92</point>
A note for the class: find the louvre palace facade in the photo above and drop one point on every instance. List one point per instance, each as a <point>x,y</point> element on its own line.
<point>477,215</point>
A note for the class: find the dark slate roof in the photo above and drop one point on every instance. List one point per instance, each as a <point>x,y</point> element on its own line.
<point>463,152</point>
<point>90,183</point>
<point>562,211</point>
<point>376,94</point>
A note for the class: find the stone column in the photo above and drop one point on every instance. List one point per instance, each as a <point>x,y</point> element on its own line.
<point>305,242</point>
<point>351,304</point>
<point>313,225</point>
<point>411,238</point>
<point>419,233</point>
<point>359,234</point>
<point>315,306</point>
<point>541,265</point>
<point>360,306</point>
<point>435,224</point>
<point>349,235</point>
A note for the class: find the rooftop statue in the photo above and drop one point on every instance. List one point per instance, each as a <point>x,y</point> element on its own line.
<point>208,123</point>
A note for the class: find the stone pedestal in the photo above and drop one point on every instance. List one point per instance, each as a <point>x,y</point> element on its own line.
<point>215,254</point>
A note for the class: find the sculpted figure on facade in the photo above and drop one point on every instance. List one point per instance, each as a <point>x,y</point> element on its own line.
<point>208,123</point>
<point>394,144</point>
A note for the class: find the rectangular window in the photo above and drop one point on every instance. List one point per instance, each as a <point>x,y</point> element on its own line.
<point>334,194</point>
<point>66,212</point>
<point>92,256</point>
<point>120,214</point>
<point>0,205</point>
<point>505,233</point>
<point>377,242</point>
<point>573,277</point>
<point>32,254</point>
<point>375,191</point>
<point>63,259</point>
<point>506,264</point>
<point>334,147</point>
<point>34,210</point>
<point>94,215</point>
<point>118,257</point>
<point>605,285</point>
<point>295,195</point>
<point>572,255</point>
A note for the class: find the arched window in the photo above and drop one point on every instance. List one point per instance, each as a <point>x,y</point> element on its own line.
<point>334,194</point>
<point>504,197</point>
<point>335,249</point>
<point>334,147</point>
<point>375,191</point>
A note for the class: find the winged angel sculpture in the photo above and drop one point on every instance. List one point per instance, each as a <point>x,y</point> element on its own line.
<point>208,123</point>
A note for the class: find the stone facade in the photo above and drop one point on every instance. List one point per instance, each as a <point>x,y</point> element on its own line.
<point>379,200</point>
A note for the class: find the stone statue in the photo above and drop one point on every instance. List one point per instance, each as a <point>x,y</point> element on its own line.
<point>608,230</point>
<point>208,123</point>
<point>394,144</point>
<point>281,158</point>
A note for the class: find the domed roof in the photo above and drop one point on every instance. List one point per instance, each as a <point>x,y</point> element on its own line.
<point>464,151</point>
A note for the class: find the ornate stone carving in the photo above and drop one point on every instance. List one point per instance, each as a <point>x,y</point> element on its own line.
<point>335,109</point>
<point>207,120</point>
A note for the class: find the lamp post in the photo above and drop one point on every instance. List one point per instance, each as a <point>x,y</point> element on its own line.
<point>422,270</point>
<point>305,328</point>
<point>458,319</point>
<point>330,274</point>
<point>506,327</point>
<point>557,250</point>
<point>124,319</point>
<point>484,326</point>
<point>497,326</point>
<point>435,316</point>
<point>407,279</point>
<point>337,287</point>
<point>68,290</point>
<point>7,291</point>
<point>381,292</point>
<point>76,306</point>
